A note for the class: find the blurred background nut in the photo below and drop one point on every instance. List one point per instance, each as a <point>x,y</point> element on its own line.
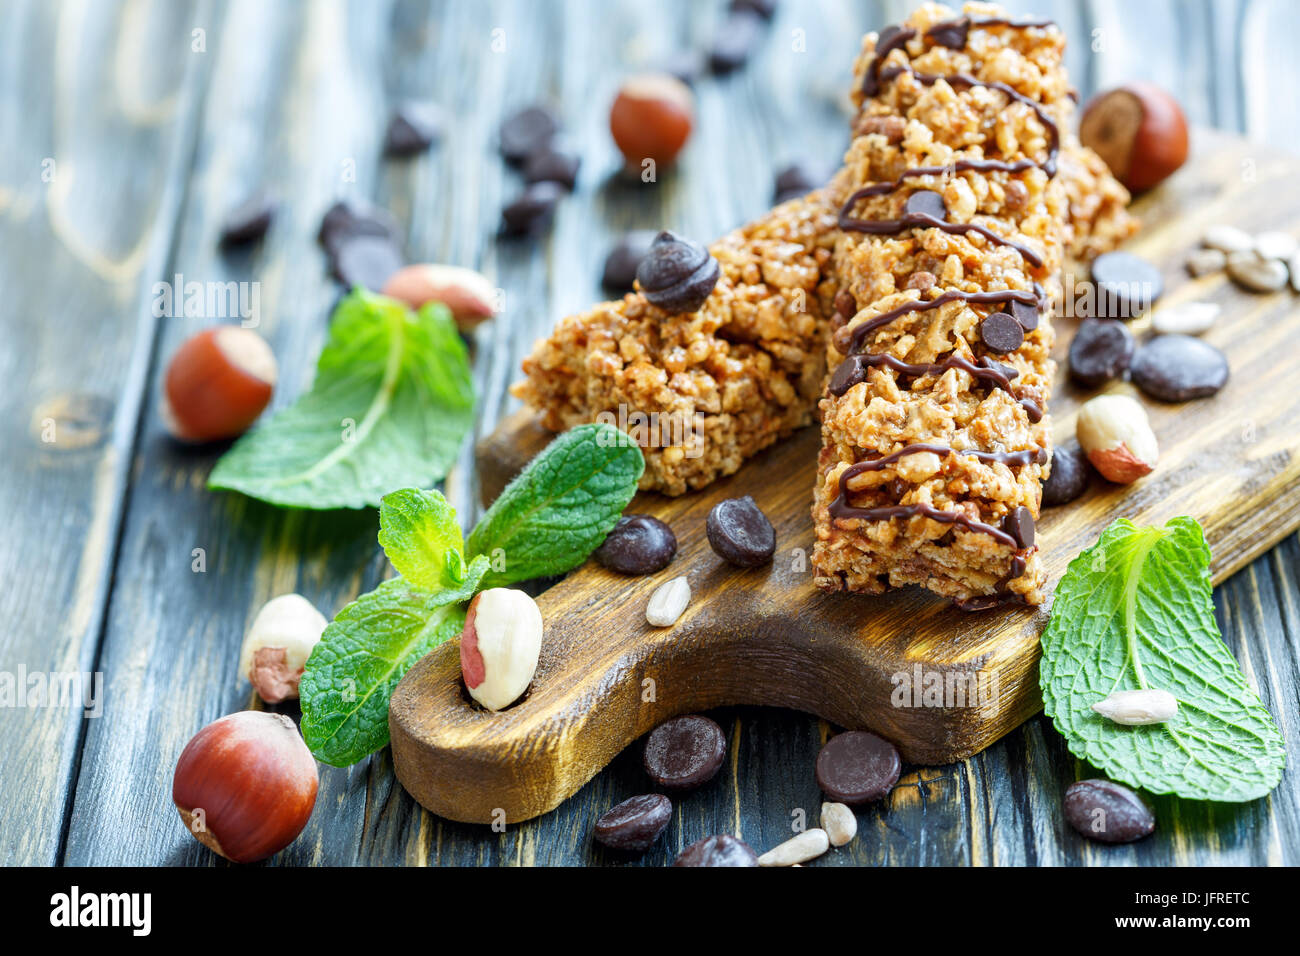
<point>651,118</point>
<point>277,646</point>
<point>217,383</point>
<point>1139,130</point>
<point>468,294</point>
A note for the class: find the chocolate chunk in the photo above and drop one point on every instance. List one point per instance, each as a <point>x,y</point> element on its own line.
<point>740,533</point>
<point>847,374</point>
<point>678,274</point>
<point>552,165</point>
<point>735,41</point>
<point>634,824</point>
<point>845,304</point>
<point>639,544</point>
<point>346,220</point>
<point>764,8</point>
<point>723,850</point>
<point>533,210</point>
<point>1069,477</point>
<point>367,261</point>
<point>1001,333</point>
<point>526,132</point>
<point>926,202</point>
<point>250,220</point>
<point>1177,368</point>
<point>1105,811</point>
<point>1019,523</point>
<point>950,33</point>
<point>857,767</point>
<point>414,127</point>
<point>623,260</point>
<point>1024,313</point>
<point>684,753</point>
<point>1125,285</point>
<point>1101,350</point>
<point>797,179</point>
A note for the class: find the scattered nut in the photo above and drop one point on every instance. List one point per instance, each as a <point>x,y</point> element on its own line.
<point>245,785</point>
<point>468,294</point>
<point>1186,318</point>
<point>1275,245</point>
<point>1139,130</point>
<point>500,645</point>
<point>839,822</point>
<point>652,118</point>
<point>217,383</point>
<point>1258,275</point>
<point>1202,262</point>
<point>1134,708</point>
<point>668,602</point>
<point>1114,433</point>
<point>798,849</point>
<point>278,644</point>
<point>1227,239</point>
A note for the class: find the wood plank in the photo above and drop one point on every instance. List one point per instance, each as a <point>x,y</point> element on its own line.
<point>90,181</point>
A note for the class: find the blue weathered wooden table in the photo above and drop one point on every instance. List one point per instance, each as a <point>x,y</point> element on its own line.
<point>130,127</point>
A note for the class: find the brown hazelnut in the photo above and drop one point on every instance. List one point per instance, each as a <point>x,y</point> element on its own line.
<point>1139,130</point>
<point>652,118</point>
<point>217,383</point>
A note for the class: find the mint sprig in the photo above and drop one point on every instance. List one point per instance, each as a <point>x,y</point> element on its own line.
<point>547,521</point>
<point>1135,611</point>
<point>389,408</point>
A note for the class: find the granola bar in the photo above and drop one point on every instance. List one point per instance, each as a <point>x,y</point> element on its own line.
<point>935,437</point>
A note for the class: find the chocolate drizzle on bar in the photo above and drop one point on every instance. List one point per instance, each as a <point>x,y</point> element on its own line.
<point>858,337</point>
<point>911,220</point>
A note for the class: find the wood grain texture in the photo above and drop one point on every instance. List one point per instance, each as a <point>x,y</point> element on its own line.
<point>96,557</point>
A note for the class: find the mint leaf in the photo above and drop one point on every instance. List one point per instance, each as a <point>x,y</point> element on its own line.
<point>362,655</point>
<point>391,402</point>
<point>419,533</point>
<point>1135,611</point>
<point>560,508</point>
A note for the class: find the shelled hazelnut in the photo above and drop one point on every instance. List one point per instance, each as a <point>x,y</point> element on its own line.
<point>277,646</point>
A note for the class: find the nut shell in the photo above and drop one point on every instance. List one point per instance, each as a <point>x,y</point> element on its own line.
<point>651,118</point>
<point>217,383</point>
<point>1139,130</point>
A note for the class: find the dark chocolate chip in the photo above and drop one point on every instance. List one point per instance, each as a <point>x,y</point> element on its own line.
<point>639,544</point>
<point>635,823</point>
<point>1125,285</point>
<point>346,220</point>
<point>1069,477</point>
<point>740,533</point>
<point>1100,351</point>
<point>533,210</point>
<point>250,220</point>
<point>526,132</point>
<point>1001,333</point>
<point>724,850</point>
<point>735,41</point>
<point>550,165</point>
<point>1019,523</point>
<point>1178,368</point>
<point>845,304</point>
<point>414,126</point>
<point>367,261</point>
<point>926,202</point>
<point>1105,811</point>
<point>764,8</point>
<point>847,374</point>
<point>950,33</point>
<point>623,259</point>
<point>1025,313</point>
<point>677,275</point>
<point>684,753</point>
<point>797,179</point>
<point>857,767</point>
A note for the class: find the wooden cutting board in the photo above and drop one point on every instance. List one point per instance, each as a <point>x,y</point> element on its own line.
<point>767,636</point>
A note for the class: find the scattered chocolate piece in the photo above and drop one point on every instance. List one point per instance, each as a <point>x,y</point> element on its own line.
<point>1019,523</point>
<point>1069,477</point>
<point>639,544</point>
<point>367,261</point>
<point>926,202</point>
<point>414,127</point>
<point>739,532</point>
<point>1024,313</point>
<point>764,8</point>
<point>533,210</point>
<point>250,220</point>
<point>677,275</point>
<point>723,850</point>
<point>796,180</point>
<point>856,767</point>
<point>635,823</point>
<point>526,132</point>
<point>346,220</point>
<point>735,41</point>
<point>1105,811</point>
<point>1125,285</point>
<point>1177,368</point>
<point>623,260</point>
<point>551,165</point>
<point>1001,333</point>
<point>684,753</point>
<point>1101,350</point>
